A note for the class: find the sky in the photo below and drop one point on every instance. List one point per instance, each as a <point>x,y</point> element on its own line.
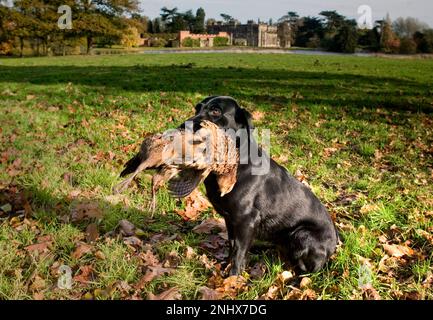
<point>244,10</point>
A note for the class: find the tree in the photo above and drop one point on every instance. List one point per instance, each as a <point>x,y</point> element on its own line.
<point>424,41</point>
<point>200,17</point>
<point>346,39</point>
<point>227,18</point>
<point>158,25</point>
<point>369,39</point>
<point>309,31</point>
<point>6,28</point>
<point>290,21</point>
<point>389,43</point>
<point>189,20</point>
<point>150,26</point>
<point>101,18</point>
<point>408,46</point>
<point>406,27</point>
<point>333,21</point>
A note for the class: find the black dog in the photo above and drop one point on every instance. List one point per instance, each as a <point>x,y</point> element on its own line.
<point>273,206</point>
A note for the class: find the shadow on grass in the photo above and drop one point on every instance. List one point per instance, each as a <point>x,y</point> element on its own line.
<point>255,85</point>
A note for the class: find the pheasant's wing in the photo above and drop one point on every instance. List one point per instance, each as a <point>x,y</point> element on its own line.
<point>184,183</point>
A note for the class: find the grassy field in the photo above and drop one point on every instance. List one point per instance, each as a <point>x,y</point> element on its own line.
<point>359,131</point>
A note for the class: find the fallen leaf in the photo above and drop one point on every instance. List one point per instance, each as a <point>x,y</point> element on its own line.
<point>305,283</point>
<point>92,232</point>
<point>84,275</point>
<point>133,241</point>
<point>87,209</point>
<point>232,286</point>
<point>398,251</point>
<point>189,253</point>
<point>195,204</point>
<point>285,276</point>
<point>208,264</point>
<point>258,270</point>
<point>210,224</point>
<point>308,294</point>
<point>328,152</point>
<point>367,208</point>
<point>271,294</point>
<point>257,115</point>
<point>37,284</point>
<point>44,244</point>
<point>126,228</point>
<point>294,294</point>
<point>100,255</point>
<point>149,259</point>
<point>209,294</point>
<point>370,293</point>
<point>81,250</point>
<point>170,294</point>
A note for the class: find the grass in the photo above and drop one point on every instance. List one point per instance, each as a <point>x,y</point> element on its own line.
<point>359,129</point>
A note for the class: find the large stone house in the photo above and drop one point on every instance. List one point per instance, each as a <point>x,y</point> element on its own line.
<point>206,40</point>
<point>251,34</point>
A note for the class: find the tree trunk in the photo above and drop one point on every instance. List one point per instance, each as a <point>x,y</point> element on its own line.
<point>89,44</point>
<point>21,47</point>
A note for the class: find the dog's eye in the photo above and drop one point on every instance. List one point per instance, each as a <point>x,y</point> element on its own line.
<point>215,112</point>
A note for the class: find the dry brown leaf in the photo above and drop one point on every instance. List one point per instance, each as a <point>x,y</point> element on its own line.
<point>328,152</point>
<point>271,294</point>
<point>285,276</point>
<point>257,115</point>
<point>85,274</point>
<point>170,294</point>
<point>367,208</point>
<point>43,245</point>
<point>38,284</point>
<point>294,294</point>
<point>308,294</point>
<point>232,286</point>
<point>87,209</point>
<point>189,253</point>
<point>92,232</point>
<point>258,270</point>
<point>81,250</point>
<point>209,264</point>
<point>209,294</point>
<point>149,259</point>
<point>305,283</point>
<point>133,241</point>
<point>152,273</point>
<point>398,251</point>
<point>210,224</point>
<point>370,293</point>
<point>195,204</point>
<point>126,228</point>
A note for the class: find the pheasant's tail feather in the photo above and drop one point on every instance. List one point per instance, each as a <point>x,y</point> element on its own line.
<point>131,165</point>
<point>184,184</point>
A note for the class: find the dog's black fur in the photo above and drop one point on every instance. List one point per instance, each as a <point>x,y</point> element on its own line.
<point>274,206</point>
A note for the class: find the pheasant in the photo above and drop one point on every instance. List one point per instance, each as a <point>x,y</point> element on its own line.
<point>212,150</point>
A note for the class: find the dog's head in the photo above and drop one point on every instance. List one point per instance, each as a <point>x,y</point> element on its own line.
<point>223,111</point>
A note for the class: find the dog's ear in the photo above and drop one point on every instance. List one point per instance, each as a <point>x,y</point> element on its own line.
<point>200,105</point>
<point>243,117</point>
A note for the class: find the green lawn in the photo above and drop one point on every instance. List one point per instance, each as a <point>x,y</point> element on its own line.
<point>359,131</point>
